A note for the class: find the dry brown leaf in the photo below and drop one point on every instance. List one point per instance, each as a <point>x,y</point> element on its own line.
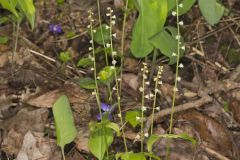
<point>131,80</point>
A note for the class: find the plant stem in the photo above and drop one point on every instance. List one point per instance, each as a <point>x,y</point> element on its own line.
<point>101,30</point>
<point>122,44</point>
<point>117,87</point>
<point>176,81</point>
<point>63,154</point>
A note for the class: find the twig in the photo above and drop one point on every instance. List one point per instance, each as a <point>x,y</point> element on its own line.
<point>179,108</point>
<point>51,59</point>
<point>214,153</point>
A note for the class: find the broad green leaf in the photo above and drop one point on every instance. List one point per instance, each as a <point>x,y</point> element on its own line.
<point>87,83</point>
<point>131,117</point>
<point>114,127</point>
<point>10,5</point>
<point>3,40</point>
<point>187,5</point>
<point>65,56</point>
<point>107,74</point>
<point>155,138</point>
<point>3,20</point>
<point>64,122</point>
<point>167,43</point>
<point>28,9</point>
<point>151,19</point>
<point>100,139</point>
<point>211,10</point>
<point>97,36</point>
<point>84,62</point>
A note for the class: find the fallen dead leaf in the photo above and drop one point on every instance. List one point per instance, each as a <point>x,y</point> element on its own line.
<point>131,80</point>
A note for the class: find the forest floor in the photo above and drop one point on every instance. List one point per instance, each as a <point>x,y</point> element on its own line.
<point>207,103</point>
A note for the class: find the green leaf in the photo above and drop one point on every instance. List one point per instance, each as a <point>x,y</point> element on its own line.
<point>131,117</point>
<point>97,36</point>
<point>114,127</point>
<point>100,139</point>
<point>64,122</point>
<point>60,1</point>
<point>211,10</point>
<point>155,138</point>
<point>3,20</point>
<point>107,74</point>
<point>3,39</point>
<point>10,5</point>
<point>70,34</point>
<point>167,43</point>
<point>28,9</point>
<point>87,83</point>
<point>65,56</point>
<point>84,62</point>
<point>152,17</point>
<point>130,156</point>
<point>187,5</point>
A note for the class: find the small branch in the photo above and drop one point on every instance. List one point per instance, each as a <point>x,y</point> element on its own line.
<point>179,108</point>
<point>214,153</point>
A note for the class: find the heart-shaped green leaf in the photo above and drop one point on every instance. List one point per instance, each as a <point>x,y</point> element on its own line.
<point>167,43</point>
<point>87,83</point>
<point>211,10</point>
<point>100,139</point>
<point>131,117</point>
<point>152,17</point>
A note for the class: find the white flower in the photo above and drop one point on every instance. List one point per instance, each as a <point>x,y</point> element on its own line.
<point>157,108</point>
<point>114,88</point>
<point>175,89</point>
<point>108,8</point>
<point>141,89</point>
<point>107,27</point>
<point>114,53</point>
<point>92,69</point>
<point>183,48</point>
<point>181,23</point>
<point>180,5</point>
<point>113,22</point>
<point>178,78</point>
<point>98,77</point>
<point>119,115</point>
<point>90,48</point>
<point>91,41</point>
<point>157,90</point>
<point>108,14</point>
<point>138,118</point>
<point>89,26</point>
<point>174,13</point>
<point>114,62</point>
<point>174,54</point>
<point>93,93</point>
<point>178,37</point>
<point>180,65</point>
<point>144,108</point>
<point>114,35</point>
<point>92,59</point>
<point>112,67</point>
<point>108,45</point>
<point>94,31</point>
<point>119,79</point>
<point>114,16</point>
<point>160,82</point>
<point>147,83</point>
<point>146,134</point>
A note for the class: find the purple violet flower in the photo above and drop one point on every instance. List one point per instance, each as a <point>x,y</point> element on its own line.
<point>106,108</point>
<point>55,28</point>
